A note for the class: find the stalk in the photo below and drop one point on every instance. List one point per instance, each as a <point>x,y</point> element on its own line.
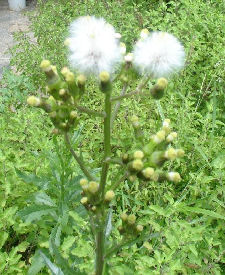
<point>100,238</point>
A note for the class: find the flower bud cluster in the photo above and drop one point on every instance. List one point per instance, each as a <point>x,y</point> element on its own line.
<point>90,194</point>
<point>147,164</point>
<point>129,225</point>
<point>64,92</point>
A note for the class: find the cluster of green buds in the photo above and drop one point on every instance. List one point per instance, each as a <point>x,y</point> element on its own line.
<point>146,164</point>
<point>64,91</point>
<point>129,225</point>
<point>90,195</point>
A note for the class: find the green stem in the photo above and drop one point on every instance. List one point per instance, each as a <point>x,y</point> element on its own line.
<point>90,112</point>
<point>107,146</point>
<point>100,238</point>
<point>79,161</point>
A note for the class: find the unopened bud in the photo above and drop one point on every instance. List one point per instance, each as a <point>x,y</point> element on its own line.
<point>132,178</point>
<point>171,137</point>
<point>131,219</point>
<point>137,165</point>
<point>138,154</point>
<point>125,158</point>
<point>104,77</point>
<point>84,200</point>
<point>124,217</point>
<point>54,69</point>
<point>70,77</point>
<point>139,228</point>
<point>67,42</point>
<point>65,71</point>
<point>144,33</point>
<point>171,154</point>
<point>148,172</point>
<point>162,83</point>
<point>159,137</point>
<point>166,126</point>
<point>34,101</point>
<point>93,208</point>
<point>174,177</point>
<point>62,92</point>
<point>81,79</point>
<point>180,153</point>
<point>93,187</point>
<point>73,114</point>
<point>83,182</point>
<point>45,65</point>
<point>109,196</point>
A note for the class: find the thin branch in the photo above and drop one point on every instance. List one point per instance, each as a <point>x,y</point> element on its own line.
<point>117,183</point>
<point>90,112</point>
<point>137,91</point>
<point>78,159</point>
<point>130,242</point>
<point>117,106</point>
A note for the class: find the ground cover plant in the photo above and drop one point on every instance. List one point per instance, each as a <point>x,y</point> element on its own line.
<point>187,215</point>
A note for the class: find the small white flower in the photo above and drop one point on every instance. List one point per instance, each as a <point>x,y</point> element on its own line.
<point>158,55</point>
<point>94,46</point>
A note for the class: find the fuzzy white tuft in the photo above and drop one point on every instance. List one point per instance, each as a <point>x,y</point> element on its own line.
<point>158,55</point>
<point>94,46</point>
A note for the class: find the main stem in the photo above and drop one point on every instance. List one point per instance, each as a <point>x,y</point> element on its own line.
<point>100,238</point>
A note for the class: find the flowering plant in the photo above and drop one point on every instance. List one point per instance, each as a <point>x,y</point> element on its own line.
<point>96,52</point>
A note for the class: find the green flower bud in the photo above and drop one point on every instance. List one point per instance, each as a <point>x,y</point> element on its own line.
<point>104,77</point>
<point>138,154</point>
<point>83,182</point>
<point>53,114</point>
<point>148,172</point>
<point>131,219</point>
<point>124,217</point>
<point>67,42</point>
<point>62,92</point>
<point>65,71</point>
<point>159,137</point>
<point>166,126</point>
<point>137,165</point>
<point>139,228</point>
<point>84,200</point>
<point>70,77</point>
<point>132,178</point>
<point>171,137</point>
<point>171,154</point>
<point>180,153</point>
<point>125,158</point>
<point>34,101</point>
<point>73,114</point>
<point>45,65</point>
<point>109,196</point>
<point>93,208</point>
<point>162,83</point>
<point>174,177</point>
<point>93,187</point>
<point>81,79</point>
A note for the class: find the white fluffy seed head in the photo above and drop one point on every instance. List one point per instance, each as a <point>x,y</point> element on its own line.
<point>158,55</point>
<point>94,46</point>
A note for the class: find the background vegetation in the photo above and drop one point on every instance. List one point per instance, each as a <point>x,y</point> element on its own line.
<point>189,216</point>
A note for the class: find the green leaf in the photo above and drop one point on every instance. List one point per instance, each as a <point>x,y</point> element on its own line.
<point>43,198</point>
<point>54,269</point>
<point>35,212</point>
<point>197,210</point>
<point>3,238</point>
<point>37,264</point>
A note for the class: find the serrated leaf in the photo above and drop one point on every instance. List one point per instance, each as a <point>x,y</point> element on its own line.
<point>37,264</point>
<point>68,242</point>
<point>35,212</point>
<point>197,210</point>
<point>43,198</point>
<point>3,238</point>
<point>54,269</point>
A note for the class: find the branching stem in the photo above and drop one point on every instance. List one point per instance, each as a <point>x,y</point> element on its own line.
<point>78,159</point>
